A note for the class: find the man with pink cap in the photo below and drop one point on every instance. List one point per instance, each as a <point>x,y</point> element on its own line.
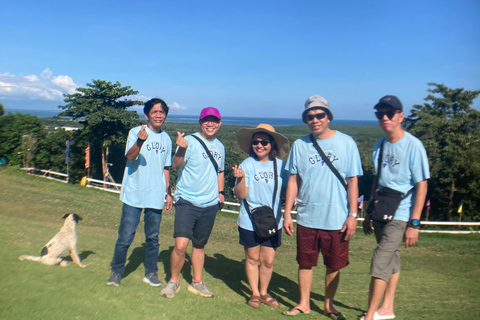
<point>200,159</point>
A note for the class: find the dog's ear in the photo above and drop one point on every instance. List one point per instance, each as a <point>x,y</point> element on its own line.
<point>65,216</point>
<point>76,217</point>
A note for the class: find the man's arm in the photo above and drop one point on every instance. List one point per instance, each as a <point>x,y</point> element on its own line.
<point>292,191</point>
<point>168,197</point>
<point>134,151</point>
<point>350,225</point>
<point>221,188</point>
<point>179,156</point>
<point>411,234</point>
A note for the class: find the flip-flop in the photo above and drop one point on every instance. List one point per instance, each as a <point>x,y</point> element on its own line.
<point>336,315</point>
<point>300,312</point>
<point>269,301</point>
<point>377,316</point>
<point>254,302</point>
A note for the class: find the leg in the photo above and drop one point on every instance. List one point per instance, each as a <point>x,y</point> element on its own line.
<point>267,256</point>
<point>389,297</point>
<point>198,260</point>
<point>252,257</point>
<point>332,278</point>
<point>305,278</point>
<point>377,287</point>
<point>126,233</point>
<point>153,217</point>
<point>75,257</point>
<point>177,258</point>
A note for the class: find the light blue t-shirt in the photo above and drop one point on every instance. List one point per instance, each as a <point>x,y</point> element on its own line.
<point>404,164</point>
<point>322,201</point>
<point>260,181</point>
<point>143,184</point>
<point>197,180</point>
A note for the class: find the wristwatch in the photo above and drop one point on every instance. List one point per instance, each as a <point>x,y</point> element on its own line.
<point>355,215</point>
<point>414,223</point>
<point>222,193</point>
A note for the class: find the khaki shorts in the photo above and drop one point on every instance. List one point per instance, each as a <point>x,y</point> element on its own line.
<point>386,257</point>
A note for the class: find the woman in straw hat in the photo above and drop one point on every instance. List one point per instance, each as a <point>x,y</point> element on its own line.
<point>255,183</point>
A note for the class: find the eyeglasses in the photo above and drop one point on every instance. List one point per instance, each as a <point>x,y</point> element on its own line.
<point>318,116</point>
<point>390,114</point>
<point>262,142</point>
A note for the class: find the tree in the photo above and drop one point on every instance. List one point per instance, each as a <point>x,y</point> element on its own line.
<point>13,127</point>
<point>102,109</point>
<point>2,109</point>
<point>450,130</point>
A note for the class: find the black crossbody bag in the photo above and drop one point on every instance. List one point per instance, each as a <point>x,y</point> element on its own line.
<point>215,165</point>
<point>384,202</point>
<point>263,218</point>
<point>327,162</point>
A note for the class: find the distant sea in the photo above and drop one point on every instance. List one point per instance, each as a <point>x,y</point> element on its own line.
<point>242,121</point>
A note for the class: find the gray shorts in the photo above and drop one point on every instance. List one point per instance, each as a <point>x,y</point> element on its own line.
<point>192,222</point>
<point>386,257</point>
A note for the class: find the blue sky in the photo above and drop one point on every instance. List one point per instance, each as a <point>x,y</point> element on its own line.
<point>247,58</point>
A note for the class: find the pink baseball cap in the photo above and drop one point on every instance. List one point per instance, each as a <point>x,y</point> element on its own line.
<point>210,111</point>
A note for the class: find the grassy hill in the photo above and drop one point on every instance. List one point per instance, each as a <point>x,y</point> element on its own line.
<point>440,276</point>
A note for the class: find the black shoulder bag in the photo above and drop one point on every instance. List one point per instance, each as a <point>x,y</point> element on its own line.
<point>384,202</point>
<point>327,162</point>
<point>215,165</point>
<point>263,218</point>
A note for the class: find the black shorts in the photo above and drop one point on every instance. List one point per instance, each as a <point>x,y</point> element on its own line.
<point>194,222</point>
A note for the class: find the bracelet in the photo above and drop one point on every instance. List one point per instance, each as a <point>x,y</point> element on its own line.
<point>351,214</point>
<point>222,193</point>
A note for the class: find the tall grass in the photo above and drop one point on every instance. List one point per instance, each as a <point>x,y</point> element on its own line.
<point>440,277</point>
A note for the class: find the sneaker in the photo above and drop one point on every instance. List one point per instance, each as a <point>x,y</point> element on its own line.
<point>152,279</point>
<point>170,290</point>
<point>201,289</point>
<point>114,280</point>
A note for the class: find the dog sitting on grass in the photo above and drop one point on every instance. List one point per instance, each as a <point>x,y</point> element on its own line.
<point>65,240</point>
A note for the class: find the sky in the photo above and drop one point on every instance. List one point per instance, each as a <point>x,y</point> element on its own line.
<point>260,58</point>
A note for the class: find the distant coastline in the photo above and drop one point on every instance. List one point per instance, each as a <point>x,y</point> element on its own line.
<point>243,121</point>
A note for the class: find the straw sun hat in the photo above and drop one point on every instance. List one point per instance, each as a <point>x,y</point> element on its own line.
<point>244,138</point>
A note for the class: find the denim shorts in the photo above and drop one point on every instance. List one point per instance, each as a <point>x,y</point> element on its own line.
<point>249,239</point>
<point>192,222</point>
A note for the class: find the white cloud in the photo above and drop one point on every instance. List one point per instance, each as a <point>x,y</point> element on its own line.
<point>177,106</point>
<point>31,78</point>
<point>46,74</point>
<point>33,87</point>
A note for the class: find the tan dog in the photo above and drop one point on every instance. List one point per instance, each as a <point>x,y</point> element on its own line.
<point>65,240</point>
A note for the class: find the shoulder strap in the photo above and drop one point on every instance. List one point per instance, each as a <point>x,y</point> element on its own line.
<point>215,165</point>
<point>379,165</point>
<point>275,176</point>
<point>327,162</point>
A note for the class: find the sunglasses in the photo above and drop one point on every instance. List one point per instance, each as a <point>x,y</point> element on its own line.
<point>210,119</point>
<point>390,114</point>
<point>262,142</point>
<point>318,116</point>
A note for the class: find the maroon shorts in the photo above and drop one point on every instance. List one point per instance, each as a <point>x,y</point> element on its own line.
<point>331,243</point>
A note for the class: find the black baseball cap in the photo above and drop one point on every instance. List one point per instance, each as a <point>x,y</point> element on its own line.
<point>389,101</point>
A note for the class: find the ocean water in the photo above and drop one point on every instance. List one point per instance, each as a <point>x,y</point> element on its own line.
<point>242,121</point>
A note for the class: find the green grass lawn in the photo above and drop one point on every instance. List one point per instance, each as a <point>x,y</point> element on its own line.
<point>440,276</point>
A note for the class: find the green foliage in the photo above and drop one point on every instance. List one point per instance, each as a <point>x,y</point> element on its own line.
<point>2,109</point>
<point>102,109</point>
<point>450,131</point>
<point>13,127</point>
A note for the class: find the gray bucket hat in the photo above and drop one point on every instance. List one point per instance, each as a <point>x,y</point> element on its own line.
<point>316,102</point>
